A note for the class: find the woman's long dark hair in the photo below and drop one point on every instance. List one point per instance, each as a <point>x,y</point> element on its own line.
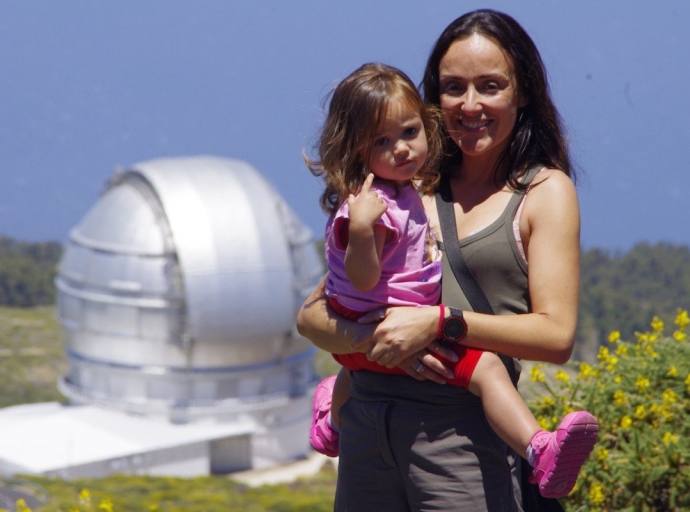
<point>538,136</point>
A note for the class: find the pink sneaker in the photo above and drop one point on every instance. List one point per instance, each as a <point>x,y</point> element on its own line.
<point>559,455</point>
<point>321,436</point>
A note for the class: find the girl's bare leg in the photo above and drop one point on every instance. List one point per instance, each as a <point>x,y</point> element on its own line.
<point>505,409</point>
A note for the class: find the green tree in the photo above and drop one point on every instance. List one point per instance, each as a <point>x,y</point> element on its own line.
<point>626,289</point>
<point>27,272</point>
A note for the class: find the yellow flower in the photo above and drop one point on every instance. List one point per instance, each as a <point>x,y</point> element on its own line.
<point>586,370</point>
<point>603,353</point>
<point>619,398</point>
<point>614,336</point>
<point>596,494</point>
<point>85,497</point>
<point>679,336</point>
<point>622,350</point>
<point>626,421</point>
<point>682,319</point>
<point>642,337</point>
<point>545,423</point>
<point>536,373</point>
<point>651,353</point>
<point>562,376</point>
<point>657,325</point>
<point>106,505</point>
<point>611,361</point>
<point>642,383</point>
<point>22,506</point>
<point>670,438</point>
<point>602,454</point>
<point>547,401</point>
<point>665,414</point>
<point>640,412</point>
<point>669,396</point>
<point>617,379</point>
<point>672,371</point>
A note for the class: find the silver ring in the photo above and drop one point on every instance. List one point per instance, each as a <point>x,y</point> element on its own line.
<point>420,366</point>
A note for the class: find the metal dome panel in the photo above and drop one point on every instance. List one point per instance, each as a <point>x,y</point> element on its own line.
<point>179,288</point>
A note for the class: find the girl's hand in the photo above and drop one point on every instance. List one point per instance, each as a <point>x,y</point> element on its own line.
<point>401,333</point>
<point>367,207</point>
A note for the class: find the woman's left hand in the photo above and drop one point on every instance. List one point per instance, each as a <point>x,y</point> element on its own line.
<point>427,364</point>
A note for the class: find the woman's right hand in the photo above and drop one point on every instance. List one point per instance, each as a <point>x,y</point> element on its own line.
<point>405,338</point>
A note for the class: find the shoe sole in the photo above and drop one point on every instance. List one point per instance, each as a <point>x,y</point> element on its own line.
<point>581,433</point>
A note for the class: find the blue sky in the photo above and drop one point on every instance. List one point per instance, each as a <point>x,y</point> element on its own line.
<point>89,86</point>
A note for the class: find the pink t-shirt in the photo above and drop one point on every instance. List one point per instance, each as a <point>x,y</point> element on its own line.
<point>411,265</point>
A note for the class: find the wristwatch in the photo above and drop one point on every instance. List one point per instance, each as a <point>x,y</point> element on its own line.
<point>454,328</point>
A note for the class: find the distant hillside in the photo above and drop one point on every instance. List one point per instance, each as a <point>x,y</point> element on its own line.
<point>623,291</point>
<point>27,271</point>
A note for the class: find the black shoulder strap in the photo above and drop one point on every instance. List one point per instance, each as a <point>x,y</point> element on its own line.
<point>473,292</point>
<point>446,216</point>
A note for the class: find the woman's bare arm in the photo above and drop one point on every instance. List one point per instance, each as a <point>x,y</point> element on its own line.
<point>317,322</point>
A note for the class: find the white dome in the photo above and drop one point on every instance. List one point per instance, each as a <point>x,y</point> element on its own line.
<point>179,288</point>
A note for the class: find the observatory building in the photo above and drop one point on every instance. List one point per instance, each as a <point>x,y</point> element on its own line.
<point>178,292</point>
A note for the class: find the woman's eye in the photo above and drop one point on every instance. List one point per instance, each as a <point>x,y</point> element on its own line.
<point>452,88</point>
<point>491,87</point>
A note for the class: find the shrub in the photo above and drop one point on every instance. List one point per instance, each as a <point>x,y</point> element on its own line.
<point>640,393</point>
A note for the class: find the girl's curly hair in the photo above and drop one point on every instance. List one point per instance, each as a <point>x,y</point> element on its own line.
<point>356,111</point>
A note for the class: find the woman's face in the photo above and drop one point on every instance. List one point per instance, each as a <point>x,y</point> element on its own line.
<point>479,96</point>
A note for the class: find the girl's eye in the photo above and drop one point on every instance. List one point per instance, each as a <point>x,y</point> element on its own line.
<point>381,141</point>
<point>410,132</point>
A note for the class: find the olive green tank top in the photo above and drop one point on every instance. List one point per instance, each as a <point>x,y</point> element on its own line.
<point>493,257</point>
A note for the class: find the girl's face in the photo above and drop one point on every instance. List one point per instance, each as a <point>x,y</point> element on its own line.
<point>400,148</point>
<point>479,97</point>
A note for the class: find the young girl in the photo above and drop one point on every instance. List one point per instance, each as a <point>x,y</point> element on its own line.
<point>378,150</point>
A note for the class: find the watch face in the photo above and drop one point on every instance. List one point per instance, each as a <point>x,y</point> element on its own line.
<point>454,329</point>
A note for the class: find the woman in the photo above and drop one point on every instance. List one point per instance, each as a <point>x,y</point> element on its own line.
<point>410,444</point>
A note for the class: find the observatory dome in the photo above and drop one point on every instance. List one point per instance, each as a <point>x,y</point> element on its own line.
<point>179,288</point>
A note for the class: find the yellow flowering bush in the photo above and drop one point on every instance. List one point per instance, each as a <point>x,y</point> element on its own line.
<point>640,393</point>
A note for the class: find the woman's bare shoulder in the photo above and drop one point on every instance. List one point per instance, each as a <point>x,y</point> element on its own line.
<point>551,184</point>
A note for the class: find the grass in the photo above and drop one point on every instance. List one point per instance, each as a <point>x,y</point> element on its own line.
<point>121,493</point>
<point>31,355</point>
